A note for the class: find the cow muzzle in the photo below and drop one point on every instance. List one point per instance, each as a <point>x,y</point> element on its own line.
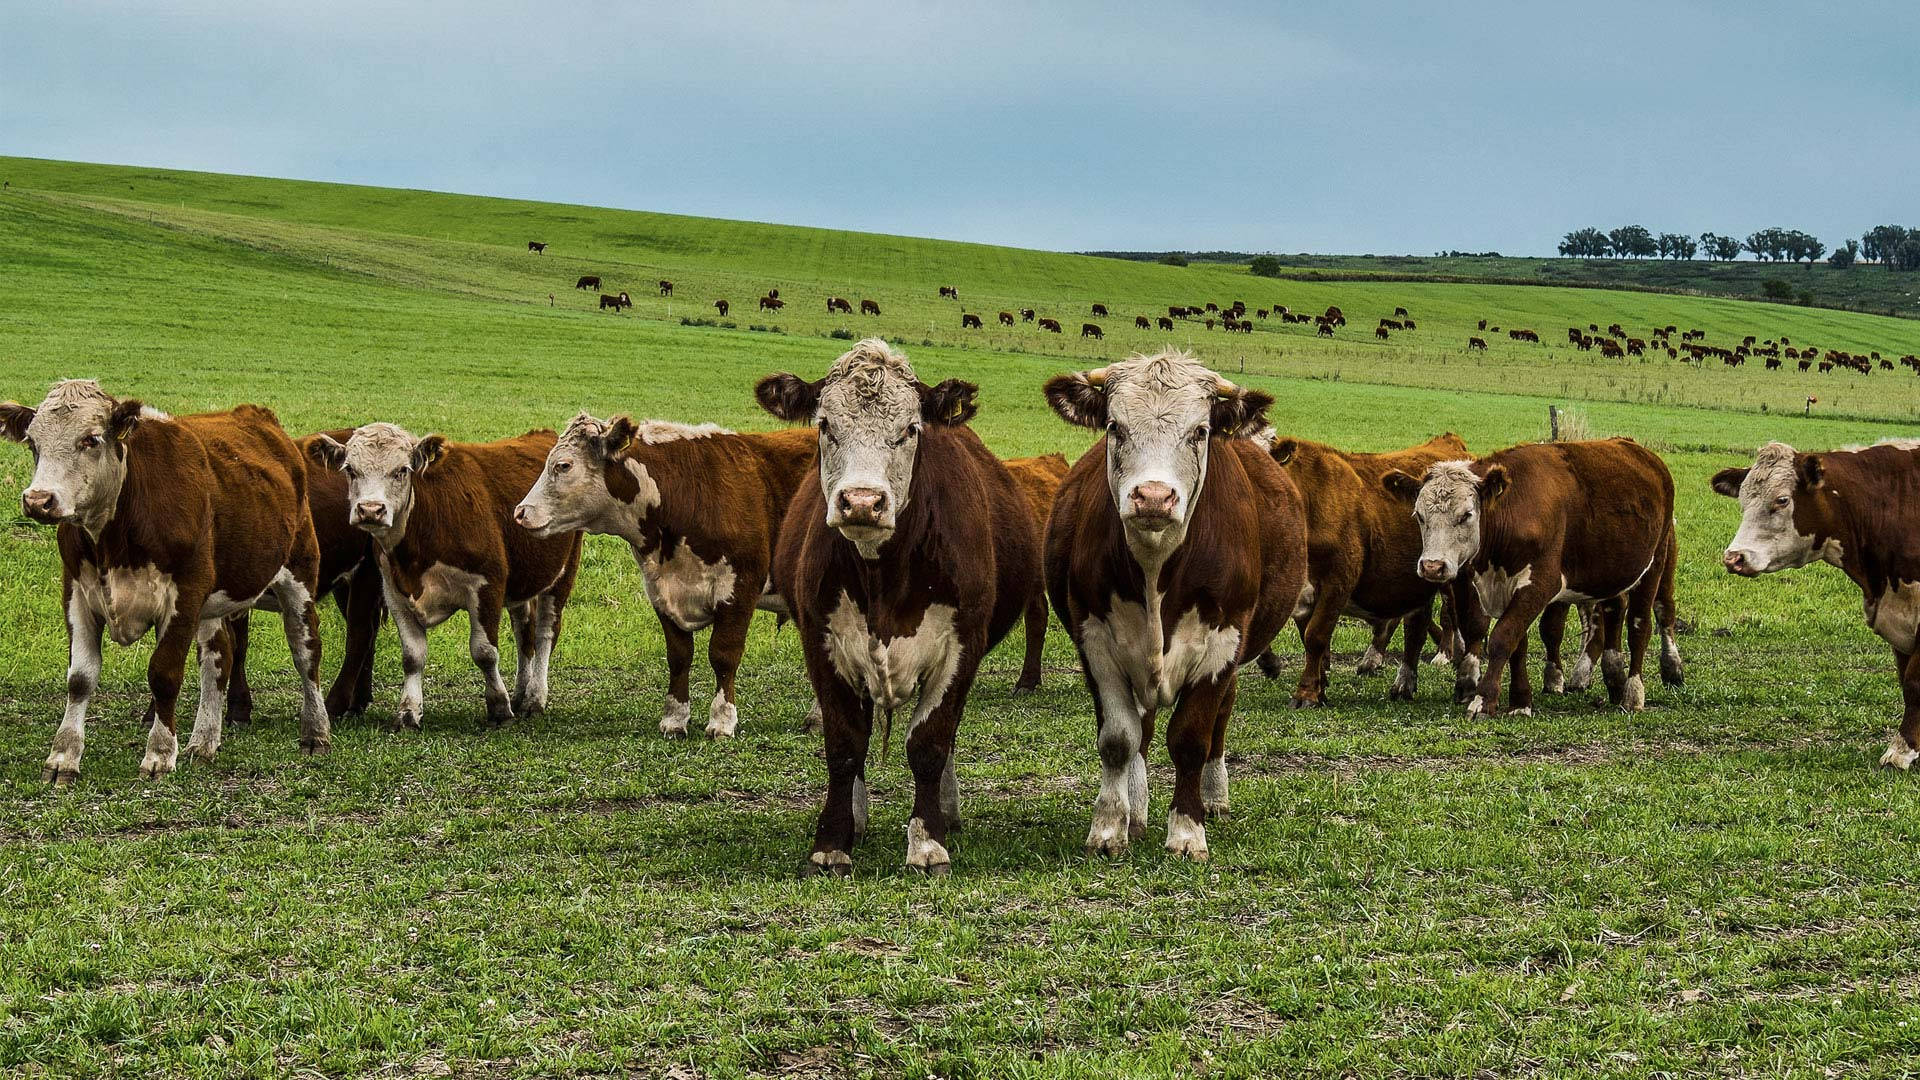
<point>1736,562</point>
<point>43,506</point>
<point>1435,570</point>
<point>532,518</point>
<point>862,508</point>
<point>1152,504</point>
<point>374,514</point>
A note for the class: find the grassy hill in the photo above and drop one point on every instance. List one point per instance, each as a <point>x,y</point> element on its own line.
<point>1719,884</point>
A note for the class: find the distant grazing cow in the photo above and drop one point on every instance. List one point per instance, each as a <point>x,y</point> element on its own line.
<point>1260,312</point>
<point>615,302</point>
<point>590,281</point>
<point>170,524</point>
<point>1176,313</point>
<point>969,322</point>
<point>1088,330</point>
<point>835,303</point>
<point>1026,314</point>
<point>1381,333</point>
<point>1524,335</point>
<point>949,292</point>
<point>771,302</point>
<point>1336,316</point>
<point>1209,324</point>
<point>1520,529</point>
<point>1050,325</point>
<point>1326,329</point>
<point>1039,480</point>
<point>1100,309</point>
<point>1165,593</point>
<point>666,287</point>
<point>913,554</point>
<point>775,293</point>
<point>1164,323</point>
<point>1483,324</point>
<point>1006,318</point>
<point>1409,324</point>
<point>1477,343</point>
<point>1213,307</point>
<point>1400,311</point>
<point>1246,327</point>
<point>869,307</point>
<point>721,307</point>
<point>1140,322</point>
<point>700,506</point>
<point>536,247</point>
<point>442,515</point>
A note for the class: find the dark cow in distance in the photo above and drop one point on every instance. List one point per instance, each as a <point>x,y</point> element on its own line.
<point>441,515</point>
<point>1541,525</point>
<point>1088,330</point>
<point>1165,323</point>
<point>1853,510</point>
<point>770,302</point>
<point>536,247</point>
<point>1166,593</point>
<point>909,558</point>
<point>1052,326</point>
<point>948,292</point>
<point>1477,343</point>
<point>721,307</point>
<point>1006,318</point>
<point>1026,314</point>
<point>969,322</point>
<point>1140,323</point>
<point>170,524</point>
<point>700,506</point>
<point>1100,310</point>
<point>835,303</point>
<point>590,282</point>
<point>615,302</point>
<point>666,287</point>
<point>869,307</point>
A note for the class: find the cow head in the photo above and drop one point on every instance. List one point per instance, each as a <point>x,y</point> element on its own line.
<point>1781,498</point>
<point>584,485</point>
<point>1449,504</point>
<point>381,462</point>
<point>78,436</point>
<point>1161,414</point>
<point>870,410</point>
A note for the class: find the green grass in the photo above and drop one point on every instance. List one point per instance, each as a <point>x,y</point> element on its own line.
<point>1721,884</point>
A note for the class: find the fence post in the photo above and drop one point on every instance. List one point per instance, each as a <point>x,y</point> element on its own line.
<point>1553,423</point>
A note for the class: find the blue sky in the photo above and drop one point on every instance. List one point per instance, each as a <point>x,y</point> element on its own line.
<point>1357,127</point>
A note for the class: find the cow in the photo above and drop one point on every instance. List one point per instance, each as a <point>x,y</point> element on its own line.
<point>1476,343</point>
<point>170,524</point>
<point>1026,314</point>
<point>869,307</point>
<point>1140,322</point>
<point>1846,508</point>
<point>666,287</point>
<point>1400,312</point>
<point>1100,310</point>
<point>615,302</point>
<point>1533,526</point>
<point>1166,593</point>
<point>909,558</point>
<point>1362,547</point>
<point>1176,312</point>
<point>835,303</point>
<point>590,281</point>
<point>1050,325</point>
<point>1335,315</point>
<point>969,322</point>
<point>1006,318</point>
<point>700,506</point>
<point>1381,333</point>
<point>1326,329</point>
<point>949,292</point>
<point>721,307</point>
<point>771,302</point>
<point>1089,330</point>
<point>536,247</point>
<point>1039,480</point>
<point>441,515</point>
<point>1164,323</point>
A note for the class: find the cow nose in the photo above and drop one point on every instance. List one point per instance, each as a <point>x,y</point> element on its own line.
<point>1736,562</point>
<point>524,515</point>
<point>862,505</point>
<point>371,512</point>
<point>41,505</point>
<point>1153,499</point>
<point>1433,569</point>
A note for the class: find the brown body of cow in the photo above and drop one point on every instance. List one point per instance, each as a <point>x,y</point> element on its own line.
<point>1088,330</point>
<point>839,304</point>
<point>615,302</point>
<point>1006,318</point>
<point>1141,322</point>
<point>536,247</point>
<point>869,307</point>
<point>1477,343</point>
<point>210,518</point>
<point>591,281</point>
<point>1039,480</point>
<point>1052,326</point>
<point>1100,310</point>
<point>1165,323</point>
<point>666,287</point>
<point>969,322</point>
<point>721,307</point>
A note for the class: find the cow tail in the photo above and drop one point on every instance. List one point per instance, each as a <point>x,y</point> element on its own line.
<point>886,735</point>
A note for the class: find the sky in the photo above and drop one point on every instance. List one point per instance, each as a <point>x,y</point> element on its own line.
<point>1389,128</point>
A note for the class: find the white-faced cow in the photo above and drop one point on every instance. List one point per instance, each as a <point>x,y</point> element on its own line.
<point>442,515</point>
<point>170,524</point>
<point>1176,550</point>
<point>1539,525</point>
<point>1851,509</point>
<point>701,507</point>
<point>913,554</point>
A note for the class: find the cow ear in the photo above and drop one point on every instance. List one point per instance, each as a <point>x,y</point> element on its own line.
<point>618,435</point>
<point>124,418</point>
<point>427,451</point>
<point>1400,485</point>
<point>1079,399</point>
<point>1727,481</point>
<point>1811,471</point>
<point>1493,485</point>
<point>1240,411</point>
<point>788,397</point>
<point>1284,450</point>
<point>327,450</point>
<point>14,418</point>
<point>953,402</point>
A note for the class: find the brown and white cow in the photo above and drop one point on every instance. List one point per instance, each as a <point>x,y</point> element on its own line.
<point>170,524</point>
<point>1542,524</point>
<point>1039,479</point>
<point>1166,592</point>
<point>701,507</point>
<point>1851,509</point>
<point>913,554</point>
<point>441,514</point>
<point>1361,551</point>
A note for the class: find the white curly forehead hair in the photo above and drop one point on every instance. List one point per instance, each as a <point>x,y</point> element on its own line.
<point>1447,484</point>
<point>871,372</point>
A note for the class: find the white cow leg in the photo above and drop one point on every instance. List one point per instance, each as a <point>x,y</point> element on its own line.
<point>950,796</point>
<point>1116,813</point>
<point>83,674</point>
<point>859,806</point>
<point>1213,786</point>
<point>203,742</point>
<point>486,657</point>
<point>413,663</point>
<point>520,620</point>
<point>302,625</point>
<point>544,625</point>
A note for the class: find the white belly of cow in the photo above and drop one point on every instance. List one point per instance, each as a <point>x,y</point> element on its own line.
<point>444,590</point>
<point>1497,588</point>
<point>893,671</point>
<point>1896,616</point>
<point>1127,644</point>
<point>129,601</point>
<point>686,588</point>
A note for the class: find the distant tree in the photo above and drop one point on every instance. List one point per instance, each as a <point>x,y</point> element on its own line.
<point>1723,248</point>
<point>1907,255</point>
<point>1632,241</point>
<point>1264,266</point>
<point>1775,289</point>
<point>1684,247</point>
<point>1588,243</point>
<point>1880,242</point>
<point>1843,257</point>
<point>1174,258</point>
<point>1811,249</point>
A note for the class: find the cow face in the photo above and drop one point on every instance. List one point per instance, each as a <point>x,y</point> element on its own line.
<point>78,436</point>
<point>576,489</point>
<point>381,462</point>
<point>1780,505</point>
<point>870,411</point>
<point>1449,504</point>
<point>1160,414</point>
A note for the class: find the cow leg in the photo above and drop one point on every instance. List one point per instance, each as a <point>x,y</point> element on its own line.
<point>483,645</point>
<point>848,733</point>
<point>1213,774</point>
<point>1508,638</point>
<point>1640,604</point>
<point>361,605</point>
<point>1519,680</point>
<point>1590,637</point>
<point>1120,810</point>
<point>1036,643</point>
<point>1672,671</point>
<point>520,622</point>
<point>413,660</point>
<point>725,645</point>
<point>1375,657</point>
<point>1904,748</point>
<point>165,669</point>
<point>1613,662</point>
<point>1190,737</point>
<point>1470,634</point>
<point>1269,664</point>
<point>1413,638</point>
<point>545,619</point>
<point>300,617</point>
<point>1316,635</point>
<point>239,690</point>
<point>1553,633</point>
<point>1447,641</point>
<point>936,795</point>
<point>679,707</point>
<point>216,657</point>
<point>83,674</point>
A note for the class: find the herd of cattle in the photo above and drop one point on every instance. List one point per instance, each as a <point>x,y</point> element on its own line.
<point>1174,551</point>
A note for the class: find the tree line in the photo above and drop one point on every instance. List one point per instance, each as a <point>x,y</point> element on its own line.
<point>1894,246</point>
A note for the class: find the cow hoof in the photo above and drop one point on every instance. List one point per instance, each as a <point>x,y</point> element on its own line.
<point>316,747</point>
<point>1899,755</point>
<point>528,705</point>
<point>1477,706</point>
<point>154,770</point>
<point>239,716</point>
<point>201,752</point>
<point>406,720</point>
<point>1023,687</point>
<point>1371,663</point>
<point>1218,811</point>
<point>933,870</point>
<point>827,864</point>
<point>673,732</point>
<point>1300,702</point>
<point>1555,680</point>
<point>1186,837</point>
<point>59,776</point>
<point>1524,710</point>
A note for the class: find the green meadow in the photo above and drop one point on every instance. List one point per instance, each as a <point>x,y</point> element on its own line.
<point>1722,884</point>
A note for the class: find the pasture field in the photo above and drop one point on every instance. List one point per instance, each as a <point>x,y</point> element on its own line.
<point>1722,884</point>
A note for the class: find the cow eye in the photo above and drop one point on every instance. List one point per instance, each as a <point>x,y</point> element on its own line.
<point>562,466</point>
<point>352,473</point>
<point>1113,429</point>
<point>1782,502</point>
<point>89,442</point>
<point>1199,434</point>
<point>401,472</point>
